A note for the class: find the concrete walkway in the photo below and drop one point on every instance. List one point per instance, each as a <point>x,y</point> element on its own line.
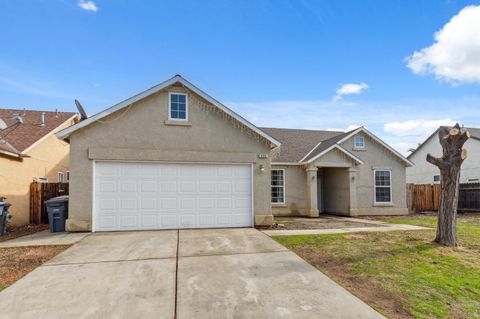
<point>44,238</point>
<point>380,227</point>
<point>223,273</point>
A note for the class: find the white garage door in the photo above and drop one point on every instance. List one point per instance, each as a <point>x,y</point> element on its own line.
<point>134,196</point>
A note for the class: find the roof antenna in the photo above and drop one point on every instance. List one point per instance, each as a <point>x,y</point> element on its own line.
<point>81,110</point>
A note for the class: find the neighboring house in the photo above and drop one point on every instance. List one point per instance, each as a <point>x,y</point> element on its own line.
<point>30,151</point>
<point>174,157</point>
<point>425,173</point>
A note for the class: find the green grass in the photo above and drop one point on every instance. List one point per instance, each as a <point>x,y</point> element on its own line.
<point>429,281</point>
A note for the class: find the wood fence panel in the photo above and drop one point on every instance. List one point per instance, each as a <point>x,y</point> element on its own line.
<point>469,197</point>
<point>39,193</point>
<point>426,197</point>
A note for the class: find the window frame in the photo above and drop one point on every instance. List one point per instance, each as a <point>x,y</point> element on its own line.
<point>283,186</point>
<point>435,181</point>
<point>375,187</point>
<point>355,146</point>
<point>170,118</point>
<point>61,180</point>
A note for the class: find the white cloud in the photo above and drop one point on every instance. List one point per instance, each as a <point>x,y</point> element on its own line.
<point>88,5</point>
<point>415,127</point>
<point>455,55</point>
<point>350,88</point>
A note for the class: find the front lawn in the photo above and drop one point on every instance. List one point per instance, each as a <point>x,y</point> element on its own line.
<point>402,273</point>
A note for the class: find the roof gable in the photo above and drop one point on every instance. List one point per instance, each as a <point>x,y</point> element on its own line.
<point>18,138</point>
<point>474,134</point>
<point>64,134</point>
<point>297,143</point>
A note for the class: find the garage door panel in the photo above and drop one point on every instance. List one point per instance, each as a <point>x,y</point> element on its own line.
<point>131,196</point>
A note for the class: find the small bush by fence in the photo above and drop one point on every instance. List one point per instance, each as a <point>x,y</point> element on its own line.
<point>426,197</point>
<point>39,193</point>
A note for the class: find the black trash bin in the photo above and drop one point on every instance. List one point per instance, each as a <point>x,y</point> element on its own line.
<point>57,209</point>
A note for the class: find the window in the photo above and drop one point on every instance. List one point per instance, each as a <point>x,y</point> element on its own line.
<point>383,186</point>
<point>61,177</point>
<point>436,178</point>
<point>359,141</point>
<point>178,107</point>
<point>67,176</point>
<point>278,186</point>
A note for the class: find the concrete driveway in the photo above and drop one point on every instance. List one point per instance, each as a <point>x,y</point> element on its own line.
<point>227,273</point>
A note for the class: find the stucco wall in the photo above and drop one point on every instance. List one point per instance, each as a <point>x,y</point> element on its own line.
<point>295,192</point>
<point>45,159</point>
<point>423,172</point>
<point>141,128</point>
<point>376,156</point>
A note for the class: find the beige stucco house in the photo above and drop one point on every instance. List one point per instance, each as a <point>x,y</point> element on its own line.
<point>174,157</point>
<point>30,151</point>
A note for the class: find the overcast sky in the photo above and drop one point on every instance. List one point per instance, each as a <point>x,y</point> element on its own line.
<point>400,68</point>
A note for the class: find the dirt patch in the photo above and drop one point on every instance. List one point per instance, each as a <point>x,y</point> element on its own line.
<point>16,232</point>
<point>318,223</point>
<point>367,289</point>
<point>19,261</point>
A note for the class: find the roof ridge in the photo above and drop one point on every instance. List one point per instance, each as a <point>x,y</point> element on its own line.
<point>37,111</point>
<point>299,129</point>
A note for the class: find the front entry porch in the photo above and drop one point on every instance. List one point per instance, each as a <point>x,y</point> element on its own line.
<point>331,189</point>
<point>331,182</point>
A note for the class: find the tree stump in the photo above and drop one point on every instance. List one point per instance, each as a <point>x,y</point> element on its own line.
<point>452,141</point>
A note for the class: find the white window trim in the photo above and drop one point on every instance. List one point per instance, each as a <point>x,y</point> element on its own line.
<point>355,146</point>
<point>170,106</point>
<point>375,188</point>
<point>61,180</point>
<point>283,193</point>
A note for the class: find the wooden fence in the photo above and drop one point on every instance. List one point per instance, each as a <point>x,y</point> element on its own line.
<point>426,197</point>
<point>39,193</point>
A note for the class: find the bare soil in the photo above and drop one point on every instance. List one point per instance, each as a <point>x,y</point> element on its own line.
<point>19,261</point>
<point>318,223</point>
<point>15,232</point>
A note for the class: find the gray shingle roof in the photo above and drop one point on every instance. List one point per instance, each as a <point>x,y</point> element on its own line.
<point>324,145</point>
<point>297,143</point>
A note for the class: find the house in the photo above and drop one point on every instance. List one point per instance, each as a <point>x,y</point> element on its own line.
<point>174,157</point>
<point>30,151</point>
<point>345,173</point>
<point>426,173</point>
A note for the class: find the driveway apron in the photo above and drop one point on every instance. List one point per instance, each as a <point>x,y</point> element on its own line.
<point>211,273</point>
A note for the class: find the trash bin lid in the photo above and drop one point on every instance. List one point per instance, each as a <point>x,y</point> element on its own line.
<point>59,199</point>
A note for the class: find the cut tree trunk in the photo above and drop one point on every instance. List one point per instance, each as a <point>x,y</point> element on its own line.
<point>452,141</point>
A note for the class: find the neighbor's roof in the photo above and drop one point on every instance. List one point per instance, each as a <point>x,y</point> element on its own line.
<point>304,146</point>
<point>64,134</point>
<point>18,138</point>
<point>296,143</point>
<point>474,133</point>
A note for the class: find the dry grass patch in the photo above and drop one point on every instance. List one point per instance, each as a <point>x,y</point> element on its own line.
<point>19,261</point>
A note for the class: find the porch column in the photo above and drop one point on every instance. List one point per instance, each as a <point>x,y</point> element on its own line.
<point>352,177</point>
<point>312,191</point>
